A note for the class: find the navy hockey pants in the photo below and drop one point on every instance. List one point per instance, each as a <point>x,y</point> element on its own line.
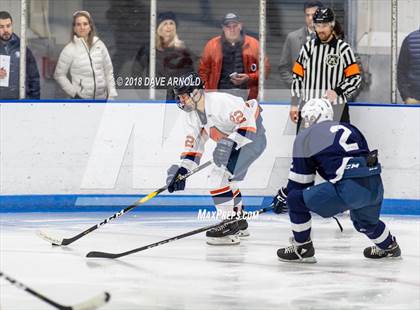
<point>362,196</point>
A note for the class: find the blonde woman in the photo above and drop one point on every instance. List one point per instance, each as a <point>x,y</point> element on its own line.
<point>172,57</point>
<point>87,60</point>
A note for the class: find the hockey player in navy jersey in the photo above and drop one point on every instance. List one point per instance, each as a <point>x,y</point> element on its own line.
<point>236,126</point>
<point>340,154</point>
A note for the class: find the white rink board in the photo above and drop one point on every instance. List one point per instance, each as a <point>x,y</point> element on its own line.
<point>126,148</point>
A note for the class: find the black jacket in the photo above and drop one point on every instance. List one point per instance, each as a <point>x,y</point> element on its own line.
<point>12,49</point>
<point>170,62</point>
<point>408,69</point>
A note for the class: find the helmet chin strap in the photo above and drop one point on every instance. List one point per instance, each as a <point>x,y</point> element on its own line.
<point>194,106</point>
<point>309,123</point>
<point>201,114</point>
<point>194,96</point>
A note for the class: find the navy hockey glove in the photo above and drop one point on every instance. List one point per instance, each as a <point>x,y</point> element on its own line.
<point>279,201</point>
<point>221,153</point>
<point>172,181</point>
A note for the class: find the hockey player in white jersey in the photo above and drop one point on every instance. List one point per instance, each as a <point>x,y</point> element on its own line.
<point>237,128</point>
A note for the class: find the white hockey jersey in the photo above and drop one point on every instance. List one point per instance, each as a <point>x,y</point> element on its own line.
<point>225,116</point>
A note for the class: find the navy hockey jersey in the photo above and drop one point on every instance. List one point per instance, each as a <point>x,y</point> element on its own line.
<point>325,148</point>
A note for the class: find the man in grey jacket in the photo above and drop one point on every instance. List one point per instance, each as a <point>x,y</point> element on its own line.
<point>295,40</point>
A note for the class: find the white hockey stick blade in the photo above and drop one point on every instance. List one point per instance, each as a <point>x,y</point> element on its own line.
<point>49,238</point>
<point>94,302</point>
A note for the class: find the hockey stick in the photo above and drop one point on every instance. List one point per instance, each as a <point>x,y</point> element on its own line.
<point>152,245</point>
<point>90,304</point>
<point>67,241</point>
<point>338,223</point>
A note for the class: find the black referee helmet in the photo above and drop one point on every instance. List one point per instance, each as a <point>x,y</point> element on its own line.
<point>324,15</point>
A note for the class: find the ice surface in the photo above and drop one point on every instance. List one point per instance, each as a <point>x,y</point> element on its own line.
<point>189,274</point>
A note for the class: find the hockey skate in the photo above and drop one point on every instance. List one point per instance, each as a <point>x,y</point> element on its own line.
<point>392,252</point>
<point>297,252</point>
<point>225,234</point>
<point>243,228</point>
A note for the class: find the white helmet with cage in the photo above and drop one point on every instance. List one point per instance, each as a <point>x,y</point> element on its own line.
<point>316,111</point>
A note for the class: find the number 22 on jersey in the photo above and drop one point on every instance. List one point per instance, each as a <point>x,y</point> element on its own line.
<point>237,117</point>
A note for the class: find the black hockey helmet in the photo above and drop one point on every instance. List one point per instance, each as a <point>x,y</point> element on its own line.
<point>324,15</point>
<point>187,83</point>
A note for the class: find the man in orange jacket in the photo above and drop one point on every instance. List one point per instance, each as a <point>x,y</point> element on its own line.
<point>230,61</point>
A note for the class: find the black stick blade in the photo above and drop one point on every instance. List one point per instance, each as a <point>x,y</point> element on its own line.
<point>101,254</point>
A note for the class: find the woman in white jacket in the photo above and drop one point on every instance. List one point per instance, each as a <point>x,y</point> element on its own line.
<point>87,59</point>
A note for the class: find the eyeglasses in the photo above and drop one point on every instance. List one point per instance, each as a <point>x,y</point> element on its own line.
<point>81,12</point>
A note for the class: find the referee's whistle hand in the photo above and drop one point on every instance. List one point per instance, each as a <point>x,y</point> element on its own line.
<point>331,95</point>
<point>294,113</point>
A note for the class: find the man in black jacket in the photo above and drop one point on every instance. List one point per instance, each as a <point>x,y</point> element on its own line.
<point>9,63</point>
<point>409,68</point>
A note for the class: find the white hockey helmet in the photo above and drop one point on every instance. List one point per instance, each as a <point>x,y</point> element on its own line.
<point>316,111</point>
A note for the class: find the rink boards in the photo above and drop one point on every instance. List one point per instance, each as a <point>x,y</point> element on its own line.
<point>75,156</point>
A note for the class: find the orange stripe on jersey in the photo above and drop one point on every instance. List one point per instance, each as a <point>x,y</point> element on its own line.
<point>298,69</point>
<point>220,190</point>
<point>351,70</point>
<point>252,129</point>
<point>216,134</point>
<point>195,154</point>
<point>236,193</point>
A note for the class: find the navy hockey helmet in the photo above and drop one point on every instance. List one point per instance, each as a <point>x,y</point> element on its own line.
<point>187,83</point>
<point>324,15</point>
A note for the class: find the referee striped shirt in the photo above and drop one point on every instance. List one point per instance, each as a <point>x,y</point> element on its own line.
<point>325,66</point>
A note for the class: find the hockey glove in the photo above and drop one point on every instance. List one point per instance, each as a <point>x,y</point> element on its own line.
<point>174,172</point>
<point>279,201</point>
<point>221,153</point>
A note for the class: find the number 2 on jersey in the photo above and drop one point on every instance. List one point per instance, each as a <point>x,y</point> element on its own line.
<point>189,141</point>
<point>344,137</point>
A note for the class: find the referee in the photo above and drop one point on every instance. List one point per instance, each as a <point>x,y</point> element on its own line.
<point>326,68</point>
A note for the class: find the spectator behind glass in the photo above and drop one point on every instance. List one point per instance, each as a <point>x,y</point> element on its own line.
<point>172,57</point>
<point>230,61</point>
<point>9,63</point>
<point>408,69</point>
<point>295,40</point>
<point>87,59</point>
